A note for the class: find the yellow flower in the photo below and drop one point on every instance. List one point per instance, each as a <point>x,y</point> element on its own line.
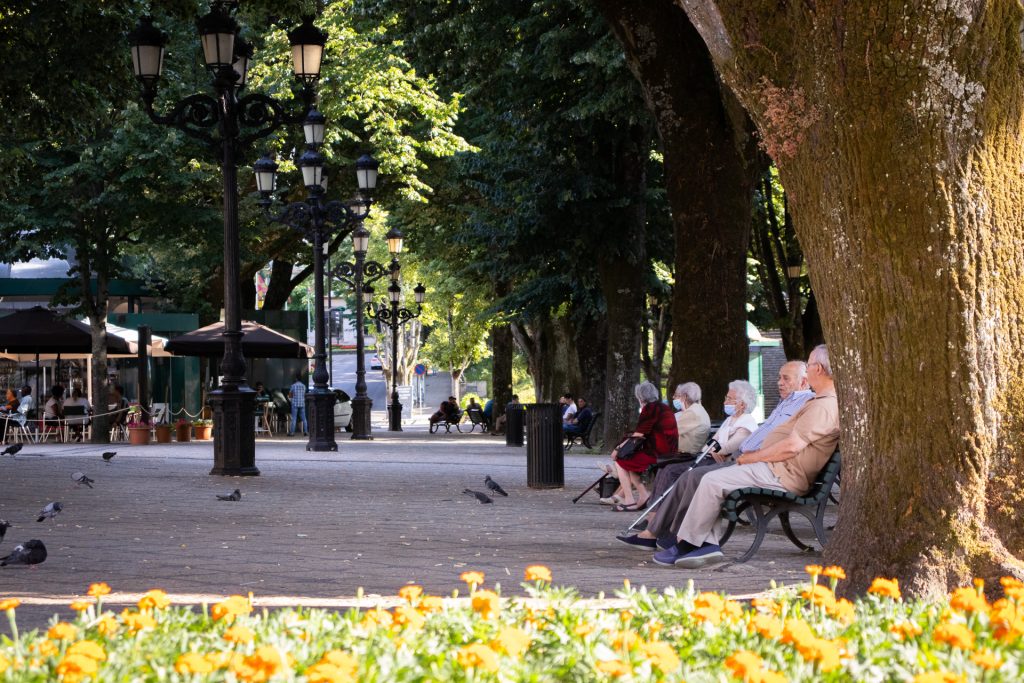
<point>239,634</point>
<point>956,635</point>
<point>624,640</point>
<point>1007,619</point>
<point>410,593</point>
<point>889,588</point>
<point>766,625</point>
<point>538,572</point>
<point>843,610</point>
<point>46,648</point>
<point>322,672</point>
<point>477,656</point>
<point>708,607</point>
<point>474,579</point>
<point>661,655</point>
<point>107,626</point>
<point>583,629</point>
<point>612,667</point>
<point>986,659</point>
<point>906,629</point>
<point>834,572</point>
<point>512,640</point>
<point>376,617</point>
<point>743,664</point>
<point>968,600</point>
<point>486,603</point>
<point>814,570</point>
<point>430,603</point>
<point>9,603</point>
<point>343,661</point>
<point>154,599</point>
<point>221,660</point>
<point>820,595</point>
<point>136,621</point>
<point>938,677</point>
<point>260,666</point>
<point>98,589</point>
<point>88,648</point>
<point>193,663</point>
<point>4,664</point>
<point>74,668</point>
<point>229,608</point>
<point>404,615</point>
<point>62,631</point>
<point>767,605</point>
<point>80,605</point>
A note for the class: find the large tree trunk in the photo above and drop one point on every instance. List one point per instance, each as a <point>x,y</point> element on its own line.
<point>592,349</point>
<point>96,307</point>
<point>551,355</point>
<point>897,130</point>
<point>501,368</point>
<point>280,286</point>
<point>707,146</point>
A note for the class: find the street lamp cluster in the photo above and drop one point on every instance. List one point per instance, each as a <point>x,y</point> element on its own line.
<point>389,314</point>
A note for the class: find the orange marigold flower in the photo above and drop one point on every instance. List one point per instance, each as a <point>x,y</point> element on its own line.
<point>342,660</point>
<point>431,603</point>
<point>661,655</point>
<point>473,578</point>
<point>486,603</point>
<point>819,595</point>
<point>229,608</point>
<point>968,600</point>
<point>239,634</point>
<point>744,664</point>
<point>62,631</point>
<point>538,572</point>
<point>824,652</point>
<point>1011,582</point>
<point>771,677</point>
<point>407,616</point>
<point>137,621</point>
<point>583,629</point>
<point>956,635</point>
<point>154,599</point>
<point>9,603</point>
<point>889,588</point>
<point>906,629</point>
<point>708,607</point>
<point>766,625</point>
<point>260,666</point>
<point>410,592</point>
<point>376,617</point>
<point>939,677</point>
<point>814,570</point>
<point>107,626</point>
<point>834,572</point>
<point>98,589</point>
<point>46,648</point>
<point>88,648</point>
<point>624,640</point>
<point>612,667</point>
<point>477,656</point>
<point>767,605</point>
<point>986,659</point>
<point>1007,619</point>
<point>323,672</point>
<point>843,610</point>
<point>193,663</point>
<point>74,668</point>
<point>80,605</point>
<point>4,664</point>
<point>513,641</point>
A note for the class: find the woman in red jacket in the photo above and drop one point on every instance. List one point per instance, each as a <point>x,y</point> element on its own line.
<point>657,425</point>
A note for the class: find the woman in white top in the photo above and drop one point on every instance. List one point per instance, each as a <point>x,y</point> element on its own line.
<point>739,404</point>
<point>77,422</point>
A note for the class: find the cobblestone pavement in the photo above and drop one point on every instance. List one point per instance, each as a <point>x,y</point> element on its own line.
<point>316,527</point>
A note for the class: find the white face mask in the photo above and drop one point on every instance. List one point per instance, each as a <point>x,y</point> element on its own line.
<point>729,409</point>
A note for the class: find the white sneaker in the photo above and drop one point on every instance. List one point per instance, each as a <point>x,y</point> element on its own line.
<point>613,500</point>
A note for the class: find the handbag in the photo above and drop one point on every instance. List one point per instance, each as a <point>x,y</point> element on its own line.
<point>629,447</point>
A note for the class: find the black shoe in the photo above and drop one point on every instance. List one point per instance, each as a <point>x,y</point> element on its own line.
<point>637,542</point>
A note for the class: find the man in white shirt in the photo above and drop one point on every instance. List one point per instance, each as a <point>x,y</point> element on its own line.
<point>568,408</point>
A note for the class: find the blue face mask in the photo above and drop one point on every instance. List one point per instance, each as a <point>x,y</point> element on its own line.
<point>729,409</point>
<point>677,404</point>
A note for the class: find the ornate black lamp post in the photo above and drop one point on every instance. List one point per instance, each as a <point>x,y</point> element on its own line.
<point>229,125</point>
<point>394,317</point>
<point>318,219</point>
<point>359,275</point>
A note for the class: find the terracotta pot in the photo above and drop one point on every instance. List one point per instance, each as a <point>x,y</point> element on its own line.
<point>203,432</point>
<point>138,436</point>
<point>163,433</point>
<point>184,432</point>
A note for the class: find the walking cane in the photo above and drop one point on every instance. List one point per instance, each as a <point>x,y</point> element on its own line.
<point>711,446</point>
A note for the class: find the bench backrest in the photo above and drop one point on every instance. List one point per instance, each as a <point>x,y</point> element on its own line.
<point>822,485</point>
<point>476,415</point>
<point>593,421</point>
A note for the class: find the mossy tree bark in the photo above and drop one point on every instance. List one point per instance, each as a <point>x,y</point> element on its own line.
<point>709,176</point>
<point>898,131</point>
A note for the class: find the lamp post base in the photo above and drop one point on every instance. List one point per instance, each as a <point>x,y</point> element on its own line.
<point>395,416</point>
<point>320,415</point>
<point>361,429</point>
<point>234,432</point>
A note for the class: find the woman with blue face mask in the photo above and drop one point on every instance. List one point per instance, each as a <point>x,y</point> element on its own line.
<point>739,423</point>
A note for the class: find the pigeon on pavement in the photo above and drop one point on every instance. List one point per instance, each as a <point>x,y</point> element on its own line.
<point>50,511</point>
<point>494,486</point>
<point>4,526</point>
<point>108,455</point>
<point>482,497</point>
<point>30,552</point>
<point>12,449</point>
<point>82,479</point>
<point>234,495</point>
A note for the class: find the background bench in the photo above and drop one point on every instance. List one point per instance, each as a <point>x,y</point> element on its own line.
<point>447,423</point>
<point>584,436</point>
<point>765,504</point>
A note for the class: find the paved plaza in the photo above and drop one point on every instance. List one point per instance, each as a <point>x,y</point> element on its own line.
<point>316,527</point>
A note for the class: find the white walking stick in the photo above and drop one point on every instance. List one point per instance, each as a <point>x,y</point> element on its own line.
<point>711,446</point>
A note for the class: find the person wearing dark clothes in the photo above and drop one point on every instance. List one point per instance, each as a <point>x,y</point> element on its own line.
<point>579,422</point>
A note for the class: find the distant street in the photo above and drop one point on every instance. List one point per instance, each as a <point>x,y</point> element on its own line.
<point>343,376</point>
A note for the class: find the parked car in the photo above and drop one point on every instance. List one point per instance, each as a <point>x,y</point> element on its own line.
<point>342,411</point>
<point>375,363</point>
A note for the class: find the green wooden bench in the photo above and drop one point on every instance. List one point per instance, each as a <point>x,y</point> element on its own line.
<point>582,437</point>
<point>765,504</point>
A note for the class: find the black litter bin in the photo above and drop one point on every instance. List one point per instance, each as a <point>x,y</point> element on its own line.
<point>545,454</point>
<point>515,417</point>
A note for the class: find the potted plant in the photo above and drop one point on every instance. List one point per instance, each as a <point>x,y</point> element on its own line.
<point>162,431</point>
<point>203,429</point>
<point>138,426</point>
<point>183,429</point>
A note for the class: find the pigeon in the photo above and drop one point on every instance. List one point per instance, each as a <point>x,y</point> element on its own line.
<point>234,495</point>
<point>494,486</point>
<point>4,526</point>
<point>12,449</point>
<point>30,552</point>
<point>50,511</point>
<point>82,479</point>
<point>108,455</point>
<point>482,497</point>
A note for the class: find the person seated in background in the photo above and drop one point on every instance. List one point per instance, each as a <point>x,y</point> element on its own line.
<point>488,411</point>
<point>77,423</point>
<point>8,411</point>
<point>118,405</point>
<point>27,405</point>
<point>261,392</point>
<point>448,411</point>
<point>499,424</point>
<point>568,408</point>
<point>579,422</point>
<point>53,410</point>
<point>657,425</point>
<point>472,405</point>
<point>692,420</point>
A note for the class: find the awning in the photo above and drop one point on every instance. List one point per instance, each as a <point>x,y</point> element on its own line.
<point>259,342</point>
